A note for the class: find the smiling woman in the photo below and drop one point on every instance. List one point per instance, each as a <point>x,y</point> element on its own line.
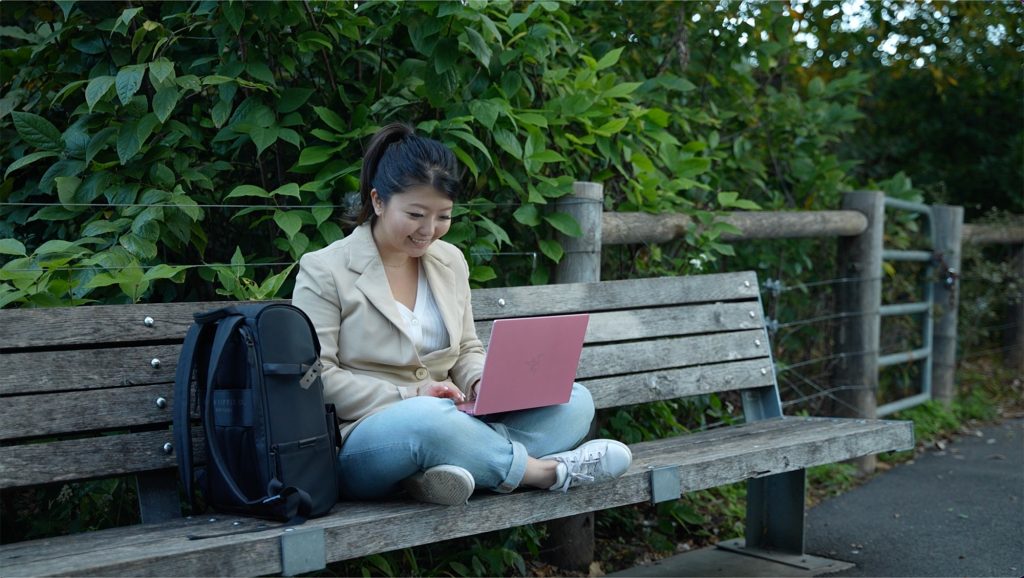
<point>393,314</point>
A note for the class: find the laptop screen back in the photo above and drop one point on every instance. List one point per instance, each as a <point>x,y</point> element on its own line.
<point>531,362</point>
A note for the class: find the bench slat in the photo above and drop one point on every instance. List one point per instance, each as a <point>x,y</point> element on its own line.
<point>78,369</point>
<point>94,457</point>
<point>676,383</point>
<point>704,460</point>
<point>64,327</point>
<point>638,356</point>
<point>78,411</point>
<point>610,295</point>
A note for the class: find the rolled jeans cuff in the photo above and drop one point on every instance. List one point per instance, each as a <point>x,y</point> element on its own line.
<point>518,468</point>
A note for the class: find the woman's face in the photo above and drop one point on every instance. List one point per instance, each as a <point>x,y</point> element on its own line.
<point>411,220</point>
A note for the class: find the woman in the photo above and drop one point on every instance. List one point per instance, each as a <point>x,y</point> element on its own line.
<point>391,306</point>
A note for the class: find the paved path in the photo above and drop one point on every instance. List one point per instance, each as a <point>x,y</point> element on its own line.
<point>954,512</point>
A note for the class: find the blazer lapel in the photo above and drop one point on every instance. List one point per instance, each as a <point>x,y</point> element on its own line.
<point>373,281</point>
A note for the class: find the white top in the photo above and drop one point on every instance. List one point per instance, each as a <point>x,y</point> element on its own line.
<point>424,322</point>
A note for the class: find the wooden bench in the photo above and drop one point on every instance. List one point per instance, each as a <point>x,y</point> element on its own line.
<point>87,393</point>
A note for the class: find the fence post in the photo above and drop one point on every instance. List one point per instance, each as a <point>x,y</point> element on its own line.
<point>947,224</point>
<point>570,541</point>
<point>858,299</point>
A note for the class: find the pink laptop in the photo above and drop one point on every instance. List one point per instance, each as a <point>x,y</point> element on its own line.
<point>531,362</point>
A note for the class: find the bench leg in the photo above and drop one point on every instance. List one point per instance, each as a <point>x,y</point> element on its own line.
<point>775,512</point>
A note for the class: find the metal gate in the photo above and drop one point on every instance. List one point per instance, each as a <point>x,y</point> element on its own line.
<point>923,308</point>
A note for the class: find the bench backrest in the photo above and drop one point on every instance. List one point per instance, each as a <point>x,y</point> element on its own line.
<point>80,387</point>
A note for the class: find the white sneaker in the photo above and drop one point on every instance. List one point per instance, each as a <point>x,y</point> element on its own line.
<point>445,485</point>
<point>593,461</point>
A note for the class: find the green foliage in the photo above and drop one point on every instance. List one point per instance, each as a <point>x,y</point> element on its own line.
<point>68,508</point>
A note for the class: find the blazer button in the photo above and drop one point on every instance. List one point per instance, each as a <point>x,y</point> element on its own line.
<point>421,373</point>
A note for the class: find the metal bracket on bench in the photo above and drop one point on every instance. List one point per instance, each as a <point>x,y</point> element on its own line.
<point>302,550</point>
<point>665,484</point>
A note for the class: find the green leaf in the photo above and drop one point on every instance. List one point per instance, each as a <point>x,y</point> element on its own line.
<point>528,215</point>
<point>621,90</point>
<point>97,89</point>
<point>138,246</point>
<point>331,118</point>
<point>315,155</point>
<point>508,143</point>
<point>146,126</point>
<point>499,234</point>
<point>12,247</point>
<point>472,140</point>
<point>128,81</point>
<point>482,273</point>
<point>293,98</point>
<point>446,53</point>
<point>127,142</point>
<point>27,160</point>
<point>163,271</point>
<point>565,224</point>
<point>609,59</point>
<point>485,111</point>
<point>98,142</point>
<point>691,167</point>
<point>66,187</point>
<point>160,70</point>
<point>220,113</point>
<point>57,247</point>
<point>289,190</point>
<point>260,71</point>
<point>37,131</point>
<point>478,45</point>
<point>289,221</point>
<point>552,250</point>
<point>547,156</point>
<point>247,191</point>
<point>611,127</point>
<point>164,102</point>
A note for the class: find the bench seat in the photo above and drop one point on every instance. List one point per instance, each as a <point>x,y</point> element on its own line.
<point>704,460</point>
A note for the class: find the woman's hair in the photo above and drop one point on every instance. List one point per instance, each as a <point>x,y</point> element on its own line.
<point>398,159</point>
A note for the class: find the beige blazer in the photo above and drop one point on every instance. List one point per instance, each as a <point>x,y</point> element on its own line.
<point>370,360</point>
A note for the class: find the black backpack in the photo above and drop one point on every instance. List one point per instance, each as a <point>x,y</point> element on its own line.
<point>270,439</point>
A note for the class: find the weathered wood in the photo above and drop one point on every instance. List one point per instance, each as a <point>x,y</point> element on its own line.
<point>662,321</point>
<point>60,328</point>
<point>57,327</point>
<point>638,356</point>
<point>947,226</point>
<point>582,260</point>
<point>611,295</point>
<point>625,228</point>
<point>80,369</point>
<point>94,457</point>
<point>84,411</point>
<point>623,390</point>
<point>858,300</point>
<point>122,407</point>
<point>978,234</point>
<point>704,460</point>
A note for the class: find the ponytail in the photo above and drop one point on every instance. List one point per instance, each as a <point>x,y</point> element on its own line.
<point>397,159</point>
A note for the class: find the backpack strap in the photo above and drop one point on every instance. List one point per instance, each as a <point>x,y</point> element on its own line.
<point>182,398</point>
<point>281,503</point>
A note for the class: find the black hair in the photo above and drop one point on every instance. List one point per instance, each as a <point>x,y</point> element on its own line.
<point>398,159</point>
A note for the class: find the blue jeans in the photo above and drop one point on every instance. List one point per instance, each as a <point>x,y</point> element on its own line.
<point>421,432</point>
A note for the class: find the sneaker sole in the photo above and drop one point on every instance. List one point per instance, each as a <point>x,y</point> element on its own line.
<point>442,486</point>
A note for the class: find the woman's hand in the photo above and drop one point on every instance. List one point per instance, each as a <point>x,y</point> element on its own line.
<point>442,389</point>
